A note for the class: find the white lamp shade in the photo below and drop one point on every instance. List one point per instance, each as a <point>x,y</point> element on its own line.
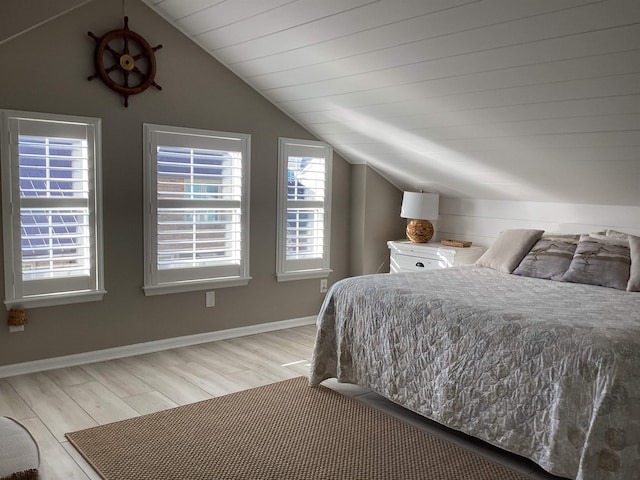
<point>423,206</point>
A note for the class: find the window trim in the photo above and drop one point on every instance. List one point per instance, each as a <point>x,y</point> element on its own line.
<point>14,293</point>
<point>152,285</point>
<point>283,273</point>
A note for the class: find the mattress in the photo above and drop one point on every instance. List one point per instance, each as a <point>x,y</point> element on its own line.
<point>548,370</point>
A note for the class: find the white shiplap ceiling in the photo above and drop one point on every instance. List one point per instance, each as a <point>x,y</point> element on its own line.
<point>498,99</point>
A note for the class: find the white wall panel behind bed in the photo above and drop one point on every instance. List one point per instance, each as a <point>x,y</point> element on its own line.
<point>482,220</point>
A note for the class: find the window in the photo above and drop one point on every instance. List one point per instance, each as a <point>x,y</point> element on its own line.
<point>197,216</point>
<point>304,209</point>
<point>51,205</point>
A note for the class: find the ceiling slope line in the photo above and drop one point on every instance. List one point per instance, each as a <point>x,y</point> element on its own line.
<point>284,29</point>
<point>39,24</point>
<point>196,12</point>
<point>235,21</point>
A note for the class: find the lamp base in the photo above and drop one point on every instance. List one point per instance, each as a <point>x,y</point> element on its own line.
<point>419,231</point>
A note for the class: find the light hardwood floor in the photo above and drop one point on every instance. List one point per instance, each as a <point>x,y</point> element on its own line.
<point>55,402</point>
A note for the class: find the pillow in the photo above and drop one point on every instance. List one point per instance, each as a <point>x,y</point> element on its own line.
<point>600,260</point>
<point>616,234</point>
<point>549,258</point>
<point>634,273</point>
<point>508,249</point>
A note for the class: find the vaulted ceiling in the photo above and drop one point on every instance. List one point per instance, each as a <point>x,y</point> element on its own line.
<point>513,99</point>
<point>498,99</point>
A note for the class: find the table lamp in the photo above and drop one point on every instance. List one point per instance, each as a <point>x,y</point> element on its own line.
<point>420,207</point>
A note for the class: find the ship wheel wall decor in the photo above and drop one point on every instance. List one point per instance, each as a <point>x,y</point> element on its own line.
<point>131,61</point>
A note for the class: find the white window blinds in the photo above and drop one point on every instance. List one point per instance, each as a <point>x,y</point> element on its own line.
<point>54,207</point>
<point>51,204</point>
<point>197,219</point>
<point>303,209</point>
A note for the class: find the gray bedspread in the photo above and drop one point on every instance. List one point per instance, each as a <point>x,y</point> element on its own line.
<point>545,369</point>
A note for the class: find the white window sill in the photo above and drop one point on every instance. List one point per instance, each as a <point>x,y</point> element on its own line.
<point>192,286</point>
<point>50,300</point>
<point>302,275</point>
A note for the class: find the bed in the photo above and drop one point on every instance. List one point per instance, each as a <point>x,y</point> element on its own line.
<point>545,369</point>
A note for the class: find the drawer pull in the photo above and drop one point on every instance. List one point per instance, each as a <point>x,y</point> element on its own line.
<point>419,264</point>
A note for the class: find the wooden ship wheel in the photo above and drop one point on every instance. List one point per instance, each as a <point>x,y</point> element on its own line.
<point>131,61</point>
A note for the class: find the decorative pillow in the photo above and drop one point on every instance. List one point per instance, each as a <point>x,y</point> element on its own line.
<point>549,258</point>
<point>634,273</point>
<point>600,260</point>
<point>616,234</point>
<point>508,249</point>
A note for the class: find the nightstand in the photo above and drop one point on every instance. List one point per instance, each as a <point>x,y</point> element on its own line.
<point>416,257</point>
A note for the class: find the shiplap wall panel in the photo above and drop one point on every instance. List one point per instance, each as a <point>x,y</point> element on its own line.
<point>387,35</point>
<point>222,14</point>
<point>610,216</point>
<point>548,140</point>
<point>514,33</point>
<point>542,176</point>
<point>620,106</point>
<point>483,220</point>
<point>466,162</point>
<point>369,17</point>
<point>461,44</point>
<point>393,102</point>
<point>609,123</point>
<point>417,35</point>
<point>560,71</point>
<point>178,9</point>
<point>275,20</point>
<point>542,51</point>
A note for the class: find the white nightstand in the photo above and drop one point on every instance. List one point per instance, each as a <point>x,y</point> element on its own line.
<point>415,257</point>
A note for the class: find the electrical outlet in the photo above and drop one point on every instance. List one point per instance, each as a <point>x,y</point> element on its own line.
<point>210,299</point>
<point>323,285</point>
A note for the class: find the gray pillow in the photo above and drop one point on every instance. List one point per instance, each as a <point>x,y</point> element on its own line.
<point>549,258</point>
<point>634,273</point>
<point>508,249</point>
<point>600,260</point>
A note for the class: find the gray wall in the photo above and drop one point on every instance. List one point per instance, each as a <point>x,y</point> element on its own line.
<point>375,219</point>
<point>46,70</point>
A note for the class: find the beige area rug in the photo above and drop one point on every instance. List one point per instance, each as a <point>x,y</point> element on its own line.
<point>282,431</point>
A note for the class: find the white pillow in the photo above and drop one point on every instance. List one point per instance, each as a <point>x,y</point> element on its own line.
<point>508,250</point>
<point>634,251</point>
<point>616,234</point>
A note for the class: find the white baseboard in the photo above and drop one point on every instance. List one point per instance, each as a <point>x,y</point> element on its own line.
<point>146,347</point>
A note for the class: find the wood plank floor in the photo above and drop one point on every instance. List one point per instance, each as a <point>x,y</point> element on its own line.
<point>55,402</point>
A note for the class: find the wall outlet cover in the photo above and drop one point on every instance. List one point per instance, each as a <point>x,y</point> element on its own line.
<point>210,299</point>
